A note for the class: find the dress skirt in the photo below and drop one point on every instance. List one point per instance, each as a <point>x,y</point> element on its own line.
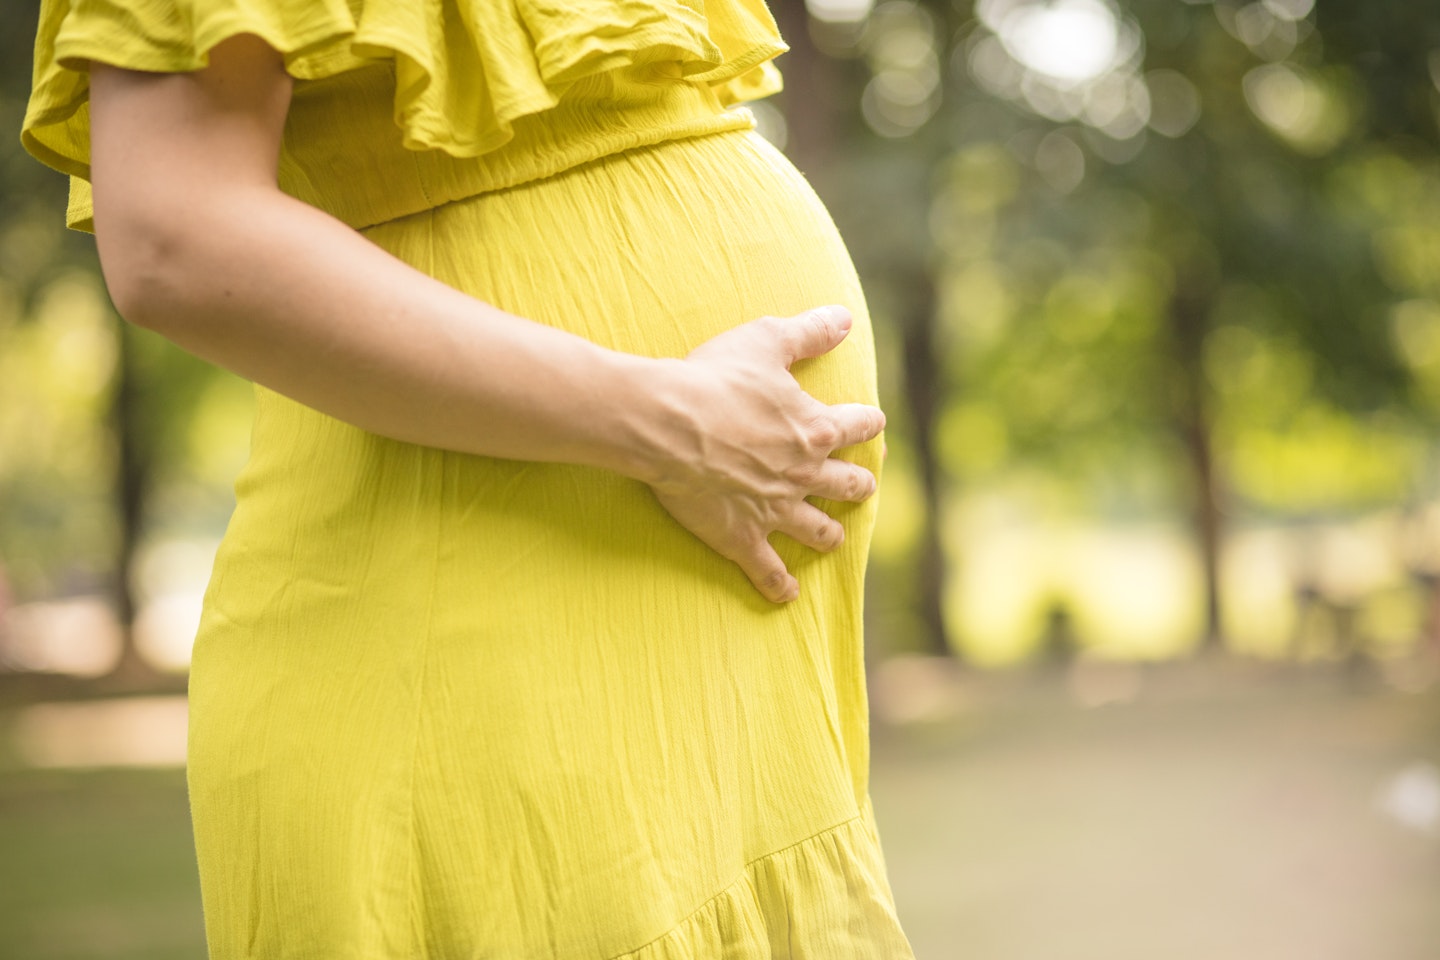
<point>453,707</point>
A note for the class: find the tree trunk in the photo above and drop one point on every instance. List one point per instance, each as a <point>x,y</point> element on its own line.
<point>923,390</point>
<point>1188,317</point>
<point>131,482</point>
<point>808,100</point>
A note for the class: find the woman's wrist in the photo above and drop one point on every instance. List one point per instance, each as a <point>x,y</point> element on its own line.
<point>640,436</point>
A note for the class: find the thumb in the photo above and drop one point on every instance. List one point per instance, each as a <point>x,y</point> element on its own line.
<point>814,332</point>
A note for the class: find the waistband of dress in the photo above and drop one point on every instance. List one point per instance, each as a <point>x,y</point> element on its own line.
<point>366,176</point>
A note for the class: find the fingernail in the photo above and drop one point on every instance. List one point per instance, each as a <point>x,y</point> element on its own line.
<point>839,316</point>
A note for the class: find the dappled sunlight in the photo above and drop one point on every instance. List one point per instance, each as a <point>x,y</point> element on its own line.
<point>165,630</point>
<point>79,636</point>
<point>899,43</point>
<point>1124,592</point>
<point>129,731</point>
<point>56,367</point>
<point>1309,111</point>
<point>171,580</point>
<point>1073,60</point>
<point>1132,590</point>
<point>1416,325</point>
<point>1412,797</point>
<point>1071,41</point>
<point>1259,585</point>
<point>839,11</point>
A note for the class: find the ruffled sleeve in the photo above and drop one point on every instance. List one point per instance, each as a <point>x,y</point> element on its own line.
<point>464,70</point>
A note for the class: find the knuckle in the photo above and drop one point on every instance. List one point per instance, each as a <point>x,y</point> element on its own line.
<point>824,433</point>
<point>805,474</point>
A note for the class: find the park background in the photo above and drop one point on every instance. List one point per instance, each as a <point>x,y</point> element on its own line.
<point>1153,613</point>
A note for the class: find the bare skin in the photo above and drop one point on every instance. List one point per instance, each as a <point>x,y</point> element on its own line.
<point>198,243</point>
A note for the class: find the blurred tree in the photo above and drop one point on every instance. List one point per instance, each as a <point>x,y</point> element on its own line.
<point>1148,235</point>
<point>150,388</point>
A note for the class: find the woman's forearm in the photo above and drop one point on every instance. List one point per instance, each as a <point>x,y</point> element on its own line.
<point>198,243</point>
<point>283,294</point>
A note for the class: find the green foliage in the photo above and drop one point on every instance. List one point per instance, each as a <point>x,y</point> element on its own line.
<point>1281,180</point>
<point>60,357</point>
<point>55,452</point>
<point>35,247</point>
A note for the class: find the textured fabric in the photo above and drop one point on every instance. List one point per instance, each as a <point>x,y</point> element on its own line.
<point>446,706</point>
<point>533,86</point>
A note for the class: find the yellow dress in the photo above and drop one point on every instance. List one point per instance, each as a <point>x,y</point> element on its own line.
<point>446,706</point>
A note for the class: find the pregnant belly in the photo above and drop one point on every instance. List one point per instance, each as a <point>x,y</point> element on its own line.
<point>653,251</point>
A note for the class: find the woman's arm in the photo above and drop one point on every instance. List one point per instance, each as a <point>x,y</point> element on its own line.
<point>198,243</point>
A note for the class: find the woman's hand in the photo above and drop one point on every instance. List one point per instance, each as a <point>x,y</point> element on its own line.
<point>748,445</point>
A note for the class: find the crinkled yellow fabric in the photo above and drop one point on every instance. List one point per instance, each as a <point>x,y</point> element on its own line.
<point>523,83</point>
<point>446,706</point>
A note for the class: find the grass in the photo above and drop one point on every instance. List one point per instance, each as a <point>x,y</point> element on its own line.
<point>97,863</point>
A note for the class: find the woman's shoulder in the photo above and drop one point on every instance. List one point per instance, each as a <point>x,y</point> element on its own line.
<point>464,70</point>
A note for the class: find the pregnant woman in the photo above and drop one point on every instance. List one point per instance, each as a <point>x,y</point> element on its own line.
<point>536,631</point>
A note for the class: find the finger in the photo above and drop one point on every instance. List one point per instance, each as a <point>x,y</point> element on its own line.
<point>813,332</point>
<point>855,423</point>
<point>842,480</point>
<point>813,527</point>
<point>767,572</point>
